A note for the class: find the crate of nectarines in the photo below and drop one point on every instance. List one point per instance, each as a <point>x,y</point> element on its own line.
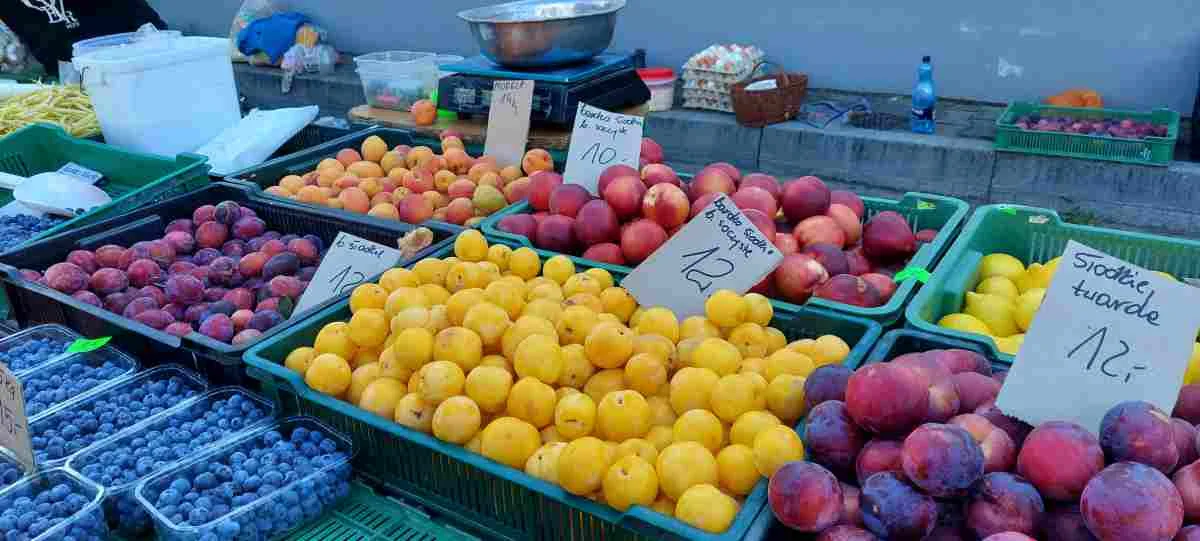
<point>493,373</point>
<point>386,174</point>
<point>842,251</point>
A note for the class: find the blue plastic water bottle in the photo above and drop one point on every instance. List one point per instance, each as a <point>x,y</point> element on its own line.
<point>924,99</point>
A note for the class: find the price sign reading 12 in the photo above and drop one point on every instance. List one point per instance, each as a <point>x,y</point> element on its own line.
<point>718,249</point>
<point>349,262</point>
<point>1107,332</point>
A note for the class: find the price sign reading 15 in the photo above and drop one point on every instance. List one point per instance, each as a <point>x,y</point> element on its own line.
<point>718,249</point>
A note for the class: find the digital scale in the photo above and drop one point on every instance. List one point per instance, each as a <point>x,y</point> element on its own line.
<point>608,81</point>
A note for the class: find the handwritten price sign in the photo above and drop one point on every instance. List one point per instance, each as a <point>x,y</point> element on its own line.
<point>600,140</point>
<point>1107,332</point>
<point>14,429</point>
<point>718,249</point>
<point>508,121</point>
<point>349,262</point>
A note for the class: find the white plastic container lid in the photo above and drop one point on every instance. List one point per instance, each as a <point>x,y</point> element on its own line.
<point>87,46</point>
<point>396,61</point>
<point>148,55</point>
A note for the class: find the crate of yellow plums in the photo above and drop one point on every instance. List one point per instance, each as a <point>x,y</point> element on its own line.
<point>535,399</point>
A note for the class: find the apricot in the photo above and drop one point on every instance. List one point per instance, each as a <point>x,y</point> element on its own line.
<point>537,160</point>
<point>458,161</point>
<point>347,156</point>
<point>424,112</point>
<point>374,148</point>
<point>355,200</point>
<point>365,169</point>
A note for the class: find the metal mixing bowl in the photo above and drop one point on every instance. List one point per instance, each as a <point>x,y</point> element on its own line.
<point>539,33</point>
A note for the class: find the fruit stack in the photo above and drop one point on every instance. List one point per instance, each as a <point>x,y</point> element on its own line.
<point>413,184</point>
<point>60,433</point>
<point>915,448</point>
<point>54,504</point>
<point>832,249</point>
<point>220,273</point>
<point>119,464</point>
<point>259,486</point>
<point>562,375</point>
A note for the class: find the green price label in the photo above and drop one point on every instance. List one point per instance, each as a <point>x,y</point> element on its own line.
<point>925,205</point>
<point>1008,210</point>
<point>912,273</point>
<point>84,345</point>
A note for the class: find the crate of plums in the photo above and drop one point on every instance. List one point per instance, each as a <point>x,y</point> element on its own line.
<point>119,463</point>
<point>52,505</point>
<point>259,486</point>
<point>61,432</point>
<point>193,280</point>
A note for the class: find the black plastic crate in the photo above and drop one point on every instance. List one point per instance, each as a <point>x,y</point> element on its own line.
<point>35,304</point>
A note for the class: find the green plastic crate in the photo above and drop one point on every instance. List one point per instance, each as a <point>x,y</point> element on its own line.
<point>452,480</point>
<point>922,210</point>
<point>367,516</point>
<point>1033,235</point>
<point>132,179</point>
<point>1149,151</point>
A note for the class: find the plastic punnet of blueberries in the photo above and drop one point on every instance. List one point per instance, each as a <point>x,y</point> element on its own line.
<point>17,229</point>
<point>118,463</point>
<point>33,350</point>
<point>258,487</point>
<point>65,380</point>
<point>54,504</point>
<point>66,431</point>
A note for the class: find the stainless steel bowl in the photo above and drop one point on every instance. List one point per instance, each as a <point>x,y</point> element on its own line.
<point>539,33</point>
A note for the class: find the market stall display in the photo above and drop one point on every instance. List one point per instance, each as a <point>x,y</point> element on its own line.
<point>152,263</point>
<point>73,377</point>
<point>53,504</point>
<point>479,401</point>
<point>841,250</point>
<point>1089,133</point>
<point>28,349</point>
<point>989,285</point>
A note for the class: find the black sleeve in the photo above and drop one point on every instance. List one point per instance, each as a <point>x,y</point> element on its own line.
<point>50,27</point>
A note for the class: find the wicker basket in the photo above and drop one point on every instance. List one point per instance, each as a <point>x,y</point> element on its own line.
<point>758,108</point>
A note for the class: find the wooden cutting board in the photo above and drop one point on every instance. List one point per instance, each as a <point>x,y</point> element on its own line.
<point>474,130</point>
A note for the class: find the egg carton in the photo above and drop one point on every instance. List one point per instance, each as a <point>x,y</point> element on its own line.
<point>735,63</point>
<point>704,99</point>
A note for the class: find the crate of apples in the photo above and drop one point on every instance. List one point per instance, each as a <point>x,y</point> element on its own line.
<point>558,372</point>
<point>915,448</point>
<point>414,184</point>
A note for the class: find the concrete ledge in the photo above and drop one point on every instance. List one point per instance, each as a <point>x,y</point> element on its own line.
<point>693,139</point>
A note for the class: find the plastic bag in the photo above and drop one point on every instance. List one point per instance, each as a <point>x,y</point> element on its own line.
<point>250,11</point>
<point>255,138</point>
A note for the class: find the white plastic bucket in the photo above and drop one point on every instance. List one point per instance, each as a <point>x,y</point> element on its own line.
<point>161,96</point>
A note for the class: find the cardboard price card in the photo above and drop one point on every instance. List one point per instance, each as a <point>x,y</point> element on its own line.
<point>600,140</point>
<point>718,249</point>
<point>508,121</point>
<point>1107,332</point>
<point>14,427</point>
<point>349,262</point>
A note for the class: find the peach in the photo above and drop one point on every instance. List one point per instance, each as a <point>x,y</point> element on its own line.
<point>347,156</point>
<point>728,169</point>
<point>711,180</point>
<point>761,180</point>
<point>414,209</point>
<point>424,112</point>
<point>666,204</point>
<point>460,210</point>
<point>882,283</point>
<point>657,173</point>
<point>460,188</point>
<point>651,152</point>
<point>797,276</point>
<point>537,160</point>
<point>819,229</point>
<point>476,171</point>
<point>567,199</point>
<point>804,197</point>
<point>703,201</point>
<point>458,161</point>
<point>541,185</point>
<point>612,172</point>
<point>641,238</point>
<point>596,223</point>
<point>624,195</point>
<point>517,190</point>
<point>888,238</point>
<point>750,197</point>
<point>846,219</point>
<point>520,224</point>
<point>850,200</point>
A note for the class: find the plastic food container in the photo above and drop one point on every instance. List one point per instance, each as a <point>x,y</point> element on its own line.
<point>661,82</point>
<point>10,470</point>
<point>47,439</point>
<point>397,79</point>
<point>80,514</point>
<point>263,515</point>
<point>124,514</point>
<point>443,59</point>
<point>17,351</point>
<point>46,386</point>
<point>147,94</point>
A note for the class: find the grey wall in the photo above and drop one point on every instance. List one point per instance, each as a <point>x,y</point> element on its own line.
<point>1137,53</point>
